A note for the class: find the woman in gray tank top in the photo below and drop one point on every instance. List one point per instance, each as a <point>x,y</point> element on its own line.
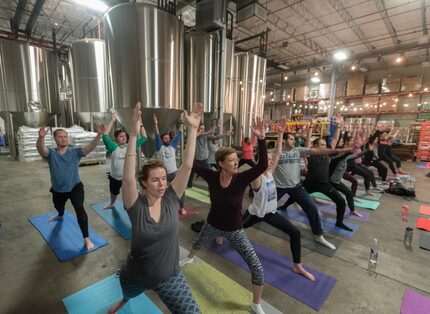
<point>153,261</point>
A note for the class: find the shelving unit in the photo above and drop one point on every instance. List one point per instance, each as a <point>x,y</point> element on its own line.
<point>423,152</point>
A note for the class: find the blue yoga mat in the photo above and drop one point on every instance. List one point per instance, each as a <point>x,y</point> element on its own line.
<point>328,223</point>
<point>278,272</point>
<point>116,217</point>
<point>99,297</point>
<point>64,235</point>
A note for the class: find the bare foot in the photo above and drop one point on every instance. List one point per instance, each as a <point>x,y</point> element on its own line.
<point>357,200</point>
<point>182,211</point>
<point>356,213</point>
<point>219,240</point>
<point>298,268</point>
<point>89,244</point>
<point>401,171</point>
<point>116,307</point>
<point>54,218</point>
<point>109,206</point>
<point>369,193</point>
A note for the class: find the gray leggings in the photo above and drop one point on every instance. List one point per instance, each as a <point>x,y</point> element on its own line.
<point>240,243</point>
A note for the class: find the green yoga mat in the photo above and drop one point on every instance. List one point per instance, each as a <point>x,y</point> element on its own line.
<point>198,194</point>
<point>362,202</point>
<point>216,293</point>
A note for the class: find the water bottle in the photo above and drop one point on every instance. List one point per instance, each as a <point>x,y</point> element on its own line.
<point>409,232</point>
<point>374,252</point>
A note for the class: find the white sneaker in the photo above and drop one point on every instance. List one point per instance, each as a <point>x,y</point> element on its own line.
<point>321,240</point>
<point>257,309</point>
<point>185,261</point>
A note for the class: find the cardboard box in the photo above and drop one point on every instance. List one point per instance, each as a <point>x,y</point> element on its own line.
<point>411,83</point>
<point>355,85</point>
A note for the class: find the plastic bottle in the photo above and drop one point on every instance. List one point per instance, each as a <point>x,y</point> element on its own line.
<point>374,252</point>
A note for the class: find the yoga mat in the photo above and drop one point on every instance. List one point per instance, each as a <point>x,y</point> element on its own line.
<point>64,235</point>
<point>331,209</point>
<point>328,223</point>
<point>214,292</point>
<point>423,223</point>
<point>425,241</point>
<point>362,195</point>
<point>362,203</point>
<point>198,194</point>
<point>306,239</point>
<point>99,297</point>
<point>415,303</point>
<point>423,165</point>
<point>116,217</point>
<point>190,212</point>
<point>425,210</point>
<point>277,272</point>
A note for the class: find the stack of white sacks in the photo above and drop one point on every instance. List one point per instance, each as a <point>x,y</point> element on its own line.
<point>78,137</point>
<point>27,138</point>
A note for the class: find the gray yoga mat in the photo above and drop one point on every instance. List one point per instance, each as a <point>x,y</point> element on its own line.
<point>307,238</point>
<point>425,240</point>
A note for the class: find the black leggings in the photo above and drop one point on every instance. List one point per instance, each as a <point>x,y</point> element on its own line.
<point>249,162</point>
<point>76,196</point>
<point>382,170</point>
<point>385,154</point>
<point>279,222</point>
<point>331,192</point>
<point>347,192</point>
<point>364,172</point>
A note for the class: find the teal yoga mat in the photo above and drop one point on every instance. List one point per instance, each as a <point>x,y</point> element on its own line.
<point>373,205</point>
<point>99,297</point>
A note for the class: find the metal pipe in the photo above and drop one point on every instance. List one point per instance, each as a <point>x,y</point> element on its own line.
<point>423,17</point>
<point>14,23</point>
<point>332,93</point>
<point>33,17</point>
<point>221,78</point>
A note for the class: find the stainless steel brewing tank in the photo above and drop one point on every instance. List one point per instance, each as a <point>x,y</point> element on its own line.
<point>200,54</point>
<point>28,78</point>
<point>145,56</point>
<point>249,81</point>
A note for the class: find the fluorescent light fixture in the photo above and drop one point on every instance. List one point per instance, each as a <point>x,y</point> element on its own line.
<point>340,55</point>
<point>96,5</point>
<point>315,79</point>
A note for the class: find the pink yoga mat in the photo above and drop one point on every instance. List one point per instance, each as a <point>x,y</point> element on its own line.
<point>415,303</point>
<point>423,223</point>
<point>425,210</point>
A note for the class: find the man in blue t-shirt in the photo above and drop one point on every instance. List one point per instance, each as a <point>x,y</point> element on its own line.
<point>66,184</point>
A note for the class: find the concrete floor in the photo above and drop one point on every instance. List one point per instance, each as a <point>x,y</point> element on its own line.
<point>33,280</point>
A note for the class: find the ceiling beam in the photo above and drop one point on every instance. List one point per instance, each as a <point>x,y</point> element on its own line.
<point>291,31</point>
<point>16,20</point>
<point>349,20</point>
<point>388,25</point>
<point>423,17</point>
<point>360,56</point>
<point>34,15</point>
<point>301,10</point>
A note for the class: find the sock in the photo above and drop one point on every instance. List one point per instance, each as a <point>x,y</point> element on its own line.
<point>320,239</point>
<point>185,261</point>
<point>340,224</point>
<point>256,308</point>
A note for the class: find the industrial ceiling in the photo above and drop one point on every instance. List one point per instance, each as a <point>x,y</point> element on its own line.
<point>302,34</point>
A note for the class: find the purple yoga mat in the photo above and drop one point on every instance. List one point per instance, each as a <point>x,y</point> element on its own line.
<point>415,303</point>
<point>331,209</point>
<point>278,273</point>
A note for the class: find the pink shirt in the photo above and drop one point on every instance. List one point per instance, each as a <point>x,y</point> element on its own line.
<point>248,149</point>
<point>359,159</point>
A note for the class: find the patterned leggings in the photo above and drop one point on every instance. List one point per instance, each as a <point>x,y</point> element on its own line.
<point>174,292</point>
<point>240,243</point>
